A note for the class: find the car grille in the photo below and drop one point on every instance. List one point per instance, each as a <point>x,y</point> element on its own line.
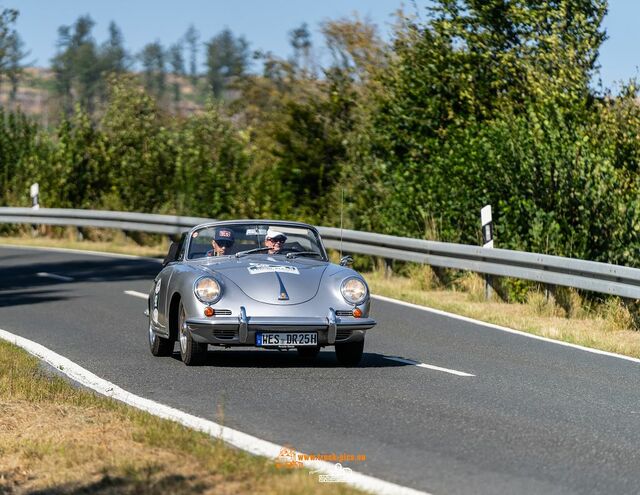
<point>223,312</point>
<point>343,312</point>
<point>343,334</point>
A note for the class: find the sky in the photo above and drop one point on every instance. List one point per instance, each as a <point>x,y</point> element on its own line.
<point>266,23</point>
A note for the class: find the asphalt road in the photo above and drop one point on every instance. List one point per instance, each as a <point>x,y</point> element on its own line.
<point>536,417</point>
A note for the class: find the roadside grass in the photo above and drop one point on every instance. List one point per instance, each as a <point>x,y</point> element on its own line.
<point>57,438</point>
<point>609,324</point>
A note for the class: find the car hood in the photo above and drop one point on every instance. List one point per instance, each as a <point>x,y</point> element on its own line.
<point>273,279</point>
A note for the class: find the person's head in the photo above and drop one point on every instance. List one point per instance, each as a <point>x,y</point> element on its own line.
<point>222,241</point>
<point>274,240</point>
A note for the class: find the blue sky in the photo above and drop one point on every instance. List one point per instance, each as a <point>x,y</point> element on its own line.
<point>265,23</point>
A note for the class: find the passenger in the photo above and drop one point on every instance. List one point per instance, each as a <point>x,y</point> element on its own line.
<point>274,240</point>
<point>222,242</point>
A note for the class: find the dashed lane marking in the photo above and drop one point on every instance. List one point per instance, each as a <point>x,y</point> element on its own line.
<point>428,366</point>
<point>135,293</point>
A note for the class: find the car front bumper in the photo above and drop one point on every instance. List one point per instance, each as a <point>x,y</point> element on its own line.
<point>241,330</point>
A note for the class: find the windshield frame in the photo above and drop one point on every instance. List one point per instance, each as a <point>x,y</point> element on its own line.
<point>256,224</point>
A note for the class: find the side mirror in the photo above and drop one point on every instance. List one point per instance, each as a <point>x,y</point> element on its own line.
<point>346,260</point>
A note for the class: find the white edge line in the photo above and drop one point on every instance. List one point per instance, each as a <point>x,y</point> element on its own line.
<point>503,329</point>
<point>135,293</point>
<point>236,438</point>
<point>429,366</point>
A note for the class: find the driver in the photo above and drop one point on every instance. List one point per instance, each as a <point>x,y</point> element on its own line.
<point>274,240</point>
<point>221,242</point>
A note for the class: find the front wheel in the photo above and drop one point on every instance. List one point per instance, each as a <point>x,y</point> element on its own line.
<point>159,346</point>
<point>191,352</point>
<point>350,353</point>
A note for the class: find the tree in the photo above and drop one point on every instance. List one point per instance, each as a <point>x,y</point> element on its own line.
<point>176,61</point>
<point>7,19</point>
<point>152,58</point>
<point>490,102</point>
<point>12,51</point>
<point>355,46</point>
<point>76,66</point>
<point>138,152</point>
<point>14,67</point>
<point>300,40</point>
<point>113,55</point>
<point>191,38</point>
<point>227,57</point>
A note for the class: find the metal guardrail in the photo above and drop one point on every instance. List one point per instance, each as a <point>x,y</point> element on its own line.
<point>554,270</point>
<point>145,222</point>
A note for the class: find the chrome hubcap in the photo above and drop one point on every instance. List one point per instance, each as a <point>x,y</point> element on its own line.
<point>152,335</point>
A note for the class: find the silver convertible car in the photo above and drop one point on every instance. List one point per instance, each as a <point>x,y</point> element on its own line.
<point>257,283</point>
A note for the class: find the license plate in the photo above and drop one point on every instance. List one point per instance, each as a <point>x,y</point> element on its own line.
<point>286,339</point>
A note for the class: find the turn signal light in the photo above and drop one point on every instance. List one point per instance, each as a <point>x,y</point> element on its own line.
<point>209,311</point>
<point>357,313</point>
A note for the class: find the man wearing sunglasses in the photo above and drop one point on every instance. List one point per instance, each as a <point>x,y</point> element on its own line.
<point>274,240</point>
<point>222,242</point>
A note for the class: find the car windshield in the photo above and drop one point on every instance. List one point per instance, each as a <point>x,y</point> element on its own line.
<point>266,239</point>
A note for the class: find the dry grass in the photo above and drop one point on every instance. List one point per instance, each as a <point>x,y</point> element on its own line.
<point>608,326</point>
<point>56,438</point>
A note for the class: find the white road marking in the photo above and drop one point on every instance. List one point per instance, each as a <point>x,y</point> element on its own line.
<point>54,276</point>
<point>503,329</point>
<point>428,366</point>
<point>236,438</point>
<point>135,293</point>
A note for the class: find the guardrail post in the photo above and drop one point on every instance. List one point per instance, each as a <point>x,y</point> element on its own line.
<point>388,267</point>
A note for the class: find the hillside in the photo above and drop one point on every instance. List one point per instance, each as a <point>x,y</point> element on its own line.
<point>36,97</point>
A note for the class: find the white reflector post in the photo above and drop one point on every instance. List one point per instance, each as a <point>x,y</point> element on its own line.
<point>487,227</point>
<point>35,192</point>
<point>487,242</point>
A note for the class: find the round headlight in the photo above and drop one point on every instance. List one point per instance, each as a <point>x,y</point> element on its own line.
<point>208,290</point>
<point>354,290</point>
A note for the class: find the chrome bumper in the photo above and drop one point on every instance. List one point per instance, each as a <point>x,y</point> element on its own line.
<point>241,330</point>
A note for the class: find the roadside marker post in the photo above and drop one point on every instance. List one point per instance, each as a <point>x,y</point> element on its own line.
<point>487,242</point>
<point>34,192</point>
<point>35,196</point>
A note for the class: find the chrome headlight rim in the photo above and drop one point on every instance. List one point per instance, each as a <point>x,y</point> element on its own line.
<point>206,300</point>
<point>351,300</point>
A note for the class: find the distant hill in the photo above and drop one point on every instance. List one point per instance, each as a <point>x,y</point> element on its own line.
<point>36,97</point>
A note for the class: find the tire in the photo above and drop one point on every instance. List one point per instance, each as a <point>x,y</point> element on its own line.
<point>309,353</point>
<point>191,352</point>
<point>350,353</point>
<point>159,346</point>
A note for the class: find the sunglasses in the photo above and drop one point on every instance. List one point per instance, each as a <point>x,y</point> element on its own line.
<point>224,244</point>
<point>277,239</point>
